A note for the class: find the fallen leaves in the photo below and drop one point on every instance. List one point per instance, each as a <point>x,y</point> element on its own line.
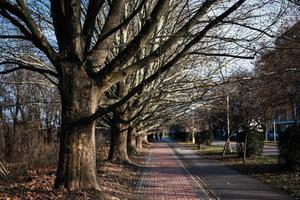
<point>115,180</point>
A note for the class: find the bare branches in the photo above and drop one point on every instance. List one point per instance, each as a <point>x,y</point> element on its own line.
<point>222,55</point>
<point>21,37</point>
<point>161,49</point>
<point>98,54</point>
<point>143,62</point>
<point>297,2</point>
<point>124,22</point>
<point>131,49</point>
<point>250,27</point>
<point>22,66</point>
<point>31,31</point>
<point>4,173</point>
<point>141,38</point>
<point>93,9</point>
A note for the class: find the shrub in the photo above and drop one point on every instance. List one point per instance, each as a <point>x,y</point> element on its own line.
<point>204,137</point>
<point>255,142</point>
<point>180,136</point>
<point>289,147</point>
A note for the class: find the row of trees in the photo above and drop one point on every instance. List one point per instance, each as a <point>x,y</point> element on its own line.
<point>119,64</point>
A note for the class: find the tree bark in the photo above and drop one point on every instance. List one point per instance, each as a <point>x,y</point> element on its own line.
<point>227,147</point>
<point>77,153</point>
<point>118,145</point>
<point>131,138</point>
<point>140,140</point>
<point>77,163</point>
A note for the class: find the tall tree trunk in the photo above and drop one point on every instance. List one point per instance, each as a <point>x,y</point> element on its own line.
<point>140,142</point>
<point>131,138</point>
<point>118,147</point>
<point>77,158</point>
<point>77,154</point>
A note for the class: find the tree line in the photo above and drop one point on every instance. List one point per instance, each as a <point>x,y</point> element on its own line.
<point>120,64</point>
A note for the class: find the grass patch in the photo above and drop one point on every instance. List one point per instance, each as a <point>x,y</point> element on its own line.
<point>211,150</point>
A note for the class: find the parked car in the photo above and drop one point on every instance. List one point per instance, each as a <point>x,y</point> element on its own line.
<point>220,134</point>
<point>270,136</point>
<point>233,136</point>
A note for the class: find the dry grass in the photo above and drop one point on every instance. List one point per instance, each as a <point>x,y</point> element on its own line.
<point>33,165</point>
<point>116,180</point>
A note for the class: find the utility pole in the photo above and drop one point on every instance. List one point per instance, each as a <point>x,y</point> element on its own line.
<point>227,146</point>
<point>193,127</point>
<point>228,122</point>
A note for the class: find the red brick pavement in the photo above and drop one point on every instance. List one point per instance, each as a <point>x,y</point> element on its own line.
<point>164,177</point>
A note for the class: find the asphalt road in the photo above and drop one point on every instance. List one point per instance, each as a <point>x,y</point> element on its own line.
<point>225,182</point>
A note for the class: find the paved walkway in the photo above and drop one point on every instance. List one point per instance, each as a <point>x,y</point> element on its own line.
<point>164,177</point>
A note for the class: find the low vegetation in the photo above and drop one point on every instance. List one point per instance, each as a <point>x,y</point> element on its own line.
<point>254,141</point>
<point>204,137</point>
<point>289,148</point>
<point>36,181</point>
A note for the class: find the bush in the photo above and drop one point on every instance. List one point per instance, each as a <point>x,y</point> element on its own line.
<point>289,147</point>
<point>180,136</point>
<point>255,142</point>
<point>204,137</point>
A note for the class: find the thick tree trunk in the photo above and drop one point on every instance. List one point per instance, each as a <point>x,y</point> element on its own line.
<point>145,140</point>
<point>118,147</point>
<point>131,141</point>
<point>131,138</point>
<point>77,158</point>
<point>140,142</point>
<point>77,154</point>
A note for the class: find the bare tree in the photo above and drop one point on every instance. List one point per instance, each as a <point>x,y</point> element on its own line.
<point>279,69</point>
<point>76,41</point>
<point>297,2</point>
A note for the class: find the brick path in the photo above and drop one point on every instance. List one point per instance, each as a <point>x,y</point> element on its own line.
<point>164,177</point>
